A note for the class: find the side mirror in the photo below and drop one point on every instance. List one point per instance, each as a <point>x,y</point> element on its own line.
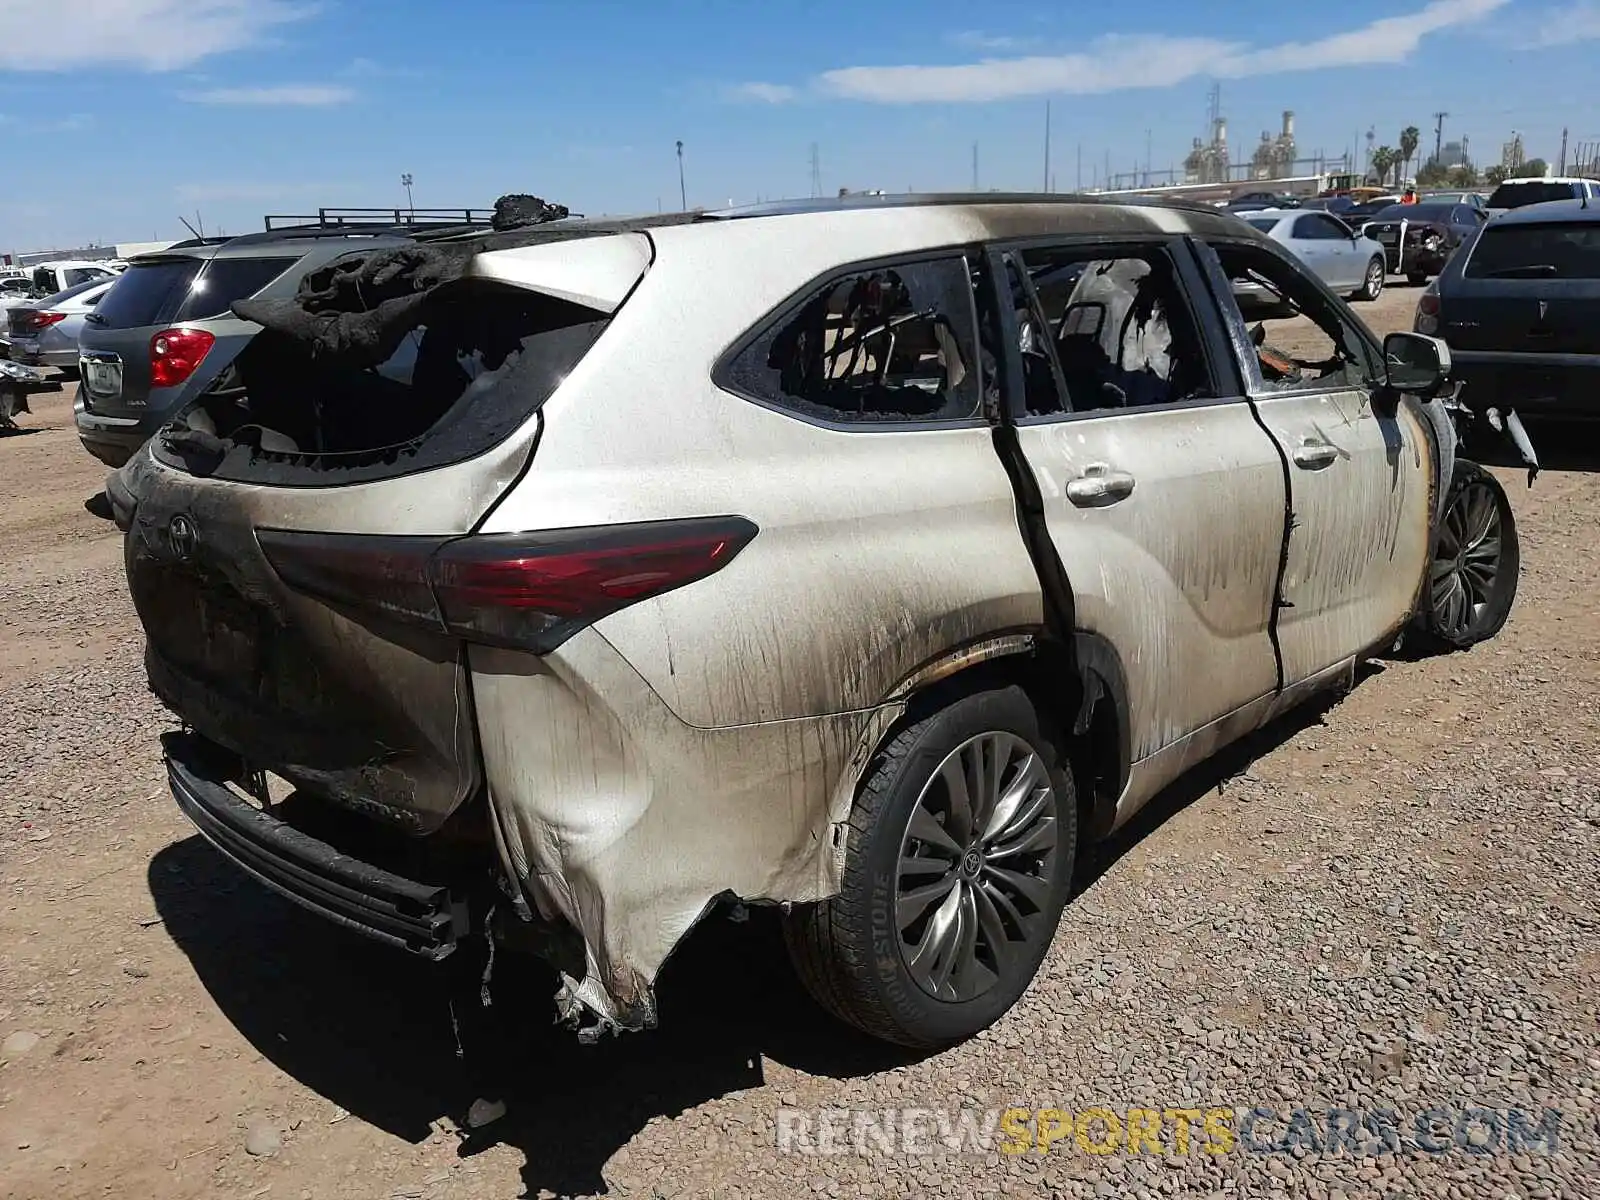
<point>1415,364</point>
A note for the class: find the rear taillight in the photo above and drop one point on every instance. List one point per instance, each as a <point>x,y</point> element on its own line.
<point>1427,318</point>
<point>527,591</point>
<point>35,321</point>
<point>176,353</point>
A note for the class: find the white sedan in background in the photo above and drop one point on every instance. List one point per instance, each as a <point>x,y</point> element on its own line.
<point>1346,261</point>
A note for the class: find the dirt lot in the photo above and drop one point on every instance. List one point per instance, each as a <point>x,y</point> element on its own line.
<point>1386,904</point>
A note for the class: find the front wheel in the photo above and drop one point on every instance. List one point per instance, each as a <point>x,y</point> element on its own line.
<point>1372,283</point>
<point>957,865</point>
<point>1472,577</point>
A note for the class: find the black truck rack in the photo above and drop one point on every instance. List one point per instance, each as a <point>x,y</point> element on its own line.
<point>400,220</point>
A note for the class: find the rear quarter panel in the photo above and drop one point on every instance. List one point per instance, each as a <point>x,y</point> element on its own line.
<point>878,550</point>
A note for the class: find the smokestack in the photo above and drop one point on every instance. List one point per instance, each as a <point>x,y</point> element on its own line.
<point>1288,122</point>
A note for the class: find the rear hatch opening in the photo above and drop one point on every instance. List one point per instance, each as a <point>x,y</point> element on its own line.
<point>405,360</point>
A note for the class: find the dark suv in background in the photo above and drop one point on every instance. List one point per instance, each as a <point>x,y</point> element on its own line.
<point>164,334</point>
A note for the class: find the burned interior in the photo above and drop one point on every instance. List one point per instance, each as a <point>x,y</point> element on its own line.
<point>891,344</point>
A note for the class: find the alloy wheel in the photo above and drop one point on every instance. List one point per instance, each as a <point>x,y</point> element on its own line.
<point>1375,273</point>
<point>1466,565</point>
<point>974,883</point>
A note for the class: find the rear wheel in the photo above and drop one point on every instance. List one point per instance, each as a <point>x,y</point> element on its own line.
<point>1372,283</point>
<point>1416,278</point>
<point>1472,578</point>
<point>957,865</point>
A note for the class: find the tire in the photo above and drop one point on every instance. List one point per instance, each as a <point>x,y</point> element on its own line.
<point>856,952</point>
<point>1468,592</point>
<point>1416,278</point>
<point>1372,283</point>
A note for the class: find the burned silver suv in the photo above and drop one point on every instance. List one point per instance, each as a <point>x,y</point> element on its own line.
<point>868,559</point>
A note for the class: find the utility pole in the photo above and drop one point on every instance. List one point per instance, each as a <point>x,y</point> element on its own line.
<point>683,192</point>
<point>1146,158</point>
<point>1562,169</point>
<point>1047,145</point>
<point>816,170</point>
<point>974,166</point>
<point>1108,170</point>
<point>1077,185</point>
<point>1438,138</point>
<point>405,182</point>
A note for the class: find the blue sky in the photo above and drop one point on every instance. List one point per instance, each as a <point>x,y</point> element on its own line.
<point>128,112</point>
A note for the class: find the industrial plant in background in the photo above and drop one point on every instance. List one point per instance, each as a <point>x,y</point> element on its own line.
<point>1274,157</point>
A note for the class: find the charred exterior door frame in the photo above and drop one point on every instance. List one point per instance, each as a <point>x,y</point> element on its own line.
<point>1359,488</point>
<point>1178,573</point>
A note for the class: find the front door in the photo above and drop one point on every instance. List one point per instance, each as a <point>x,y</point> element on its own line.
<point>1359,483</point>
<point>1163,497</point>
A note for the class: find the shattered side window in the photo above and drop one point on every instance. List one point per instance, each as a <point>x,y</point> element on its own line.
<point>1120,328</point>
<point>1301,341</point>
<point>889,344</point>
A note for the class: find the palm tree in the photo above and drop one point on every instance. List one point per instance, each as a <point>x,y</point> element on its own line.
<point>1383,158</point>
<point>1409,137</point>
<point>1494,175</point>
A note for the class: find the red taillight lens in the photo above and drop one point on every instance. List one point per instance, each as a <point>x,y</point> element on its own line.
<point>528,591</point>
<point>1428,305</point>
<point>175,353</point>
<point>36,321</point>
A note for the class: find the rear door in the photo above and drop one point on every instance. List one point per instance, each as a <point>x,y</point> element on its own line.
<point>1323,245</point>
<point>1163,496</point>
<point>1359,483</point>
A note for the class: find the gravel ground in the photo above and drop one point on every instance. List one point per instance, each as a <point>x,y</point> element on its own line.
<point>1383,905</point>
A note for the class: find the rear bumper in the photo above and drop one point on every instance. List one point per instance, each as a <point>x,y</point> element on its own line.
<point>425,919</point>
<point>113,440</point>
<point>1564,386</point>
<point>22,350</point>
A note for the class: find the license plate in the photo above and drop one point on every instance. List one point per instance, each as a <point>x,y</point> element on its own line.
<point>102,378</point>
<point>1388,239</point>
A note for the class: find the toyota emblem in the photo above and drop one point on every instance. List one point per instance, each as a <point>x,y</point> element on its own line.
<point>181,533</point>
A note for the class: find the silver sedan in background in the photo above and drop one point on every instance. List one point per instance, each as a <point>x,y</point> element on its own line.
<point>1346,261</point>
<point>45,332</point>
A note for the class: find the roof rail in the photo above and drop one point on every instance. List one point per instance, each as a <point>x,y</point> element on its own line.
<point>400,220</point>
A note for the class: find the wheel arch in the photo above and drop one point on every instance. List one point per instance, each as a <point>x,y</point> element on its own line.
<point>1079,688</point>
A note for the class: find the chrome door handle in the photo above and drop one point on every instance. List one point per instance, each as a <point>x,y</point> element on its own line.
<point>1313,453</point>
<point>1098,486</point>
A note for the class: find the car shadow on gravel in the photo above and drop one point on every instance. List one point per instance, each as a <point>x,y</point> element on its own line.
<point>1212,775</point>
<point>374,1031</point>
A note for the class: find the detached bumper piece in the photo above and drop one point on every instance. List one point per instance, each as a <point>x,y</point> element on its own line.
<point>422,918</point>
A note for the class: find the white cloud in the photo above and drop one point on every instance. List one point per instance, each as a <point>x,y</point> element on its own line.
<point>1566,25</point>
<point>1121,61</point>
<point>973,39</point>
<point>153,35</point>
<point>765,93</point>
<point>290,95</point>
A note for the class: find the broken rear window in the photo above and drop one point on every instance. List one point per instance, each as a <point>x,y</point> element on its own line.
<point>478,363</point>
<point>888,344</point>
